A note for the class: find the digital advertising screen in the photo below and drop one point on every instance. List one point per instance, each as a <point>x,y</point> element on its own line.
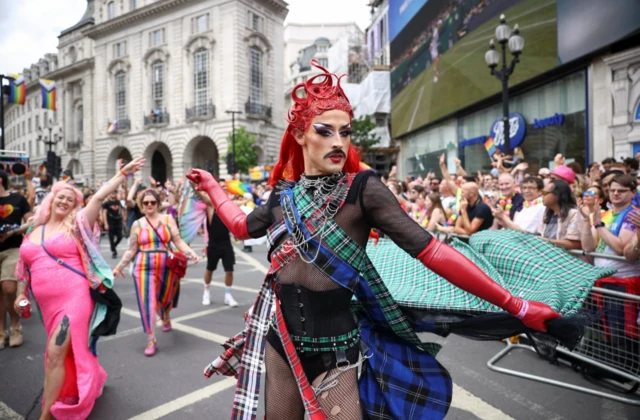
<point>438,48</point>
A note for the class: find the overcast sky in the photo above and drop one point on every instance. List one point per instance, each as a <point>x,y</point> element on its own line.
<point>29,29</point>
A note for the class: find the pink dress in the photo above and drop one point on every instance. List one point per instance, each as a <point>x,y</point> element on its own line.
<point>59,292</point>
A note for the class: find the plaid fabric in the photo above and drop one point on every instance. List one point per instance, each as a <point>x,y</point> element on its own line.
<point>311,405</point>
<point>515,260</point>
<point>228,363</point>
<point>404,379</point>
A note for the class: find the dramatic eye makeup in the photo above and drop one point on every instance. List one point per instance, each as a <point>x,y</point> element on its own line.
<point>326,130</point>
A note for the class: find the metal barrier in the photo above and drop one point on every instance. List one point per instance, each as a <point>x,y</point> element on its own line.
<point>610,347</point>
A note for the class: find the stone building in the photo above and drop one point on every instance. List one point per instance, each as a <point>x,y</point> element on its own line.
<point>155,79</point>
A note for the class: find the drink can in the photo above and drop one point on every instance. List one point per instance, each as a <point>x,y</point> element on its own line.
<point>26,308</point>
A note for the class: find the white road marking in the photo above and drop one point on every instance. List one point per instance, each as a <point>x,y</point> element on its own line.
<point>206,335</point>
<point>199,314</point>
<point>186,400</point>
<point>464,400</point>
<point>222,285</point>
<point>7,413</point>
<point>252,261</point>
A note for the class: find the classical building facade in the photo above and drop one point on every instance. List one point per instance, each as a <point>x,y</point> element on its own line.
<point>155,79</point>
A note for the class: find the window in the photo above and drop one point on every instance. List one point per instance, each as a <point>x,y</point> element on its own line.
<point>29,125</point>
<point>157,85</point>
<point>201,80</point>
<point>24,131</point>
<point>37,122</point>
<point>111,10</point>
<point>132,4</point>
<point>30,150</point>
<point>121,96</point>
<point>120,49</point>
<point>324,62</point>
<point>156,37</point>
<point>80,123</point>
<point>254,21</point>
<point>256,76</point>
<point>322,48</point>
<point>200,23</point>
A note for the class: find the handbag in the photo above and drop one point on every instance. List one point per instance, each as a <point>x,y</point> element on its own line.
<point>176,261</point>
<point>103,295</point>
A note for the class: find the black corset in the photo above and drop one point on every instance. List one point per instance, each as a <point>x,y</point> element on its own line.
<point>316,314</point>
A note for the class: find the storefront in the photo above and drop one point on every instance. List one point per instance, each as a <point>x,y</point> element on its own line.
<point>554,118</point>
<point>421,151</point>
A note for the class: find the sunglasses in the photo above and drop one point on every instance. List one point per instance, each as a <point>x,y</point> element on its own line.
<point>149,203</point>
<point>589,194</point>
<point>622,191</point>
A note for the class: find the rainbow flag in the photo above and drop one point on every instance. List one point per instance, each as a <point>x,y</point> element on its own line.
<point>491,148</point>
<point>17,90</point>
<point>192,214</point>
<point>365,167</point>
<point>48,89</point>
<point>113,126</point>
<point>238,188</point>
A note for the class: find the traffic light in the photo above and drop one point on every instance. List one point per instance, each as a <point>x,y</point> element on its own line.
<point>231,167</point>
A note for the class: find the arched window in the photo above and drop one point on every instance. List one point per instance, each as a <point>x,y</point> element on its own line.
<point>79,124</point>
<point>256,60</point>
<point>121,95</point>
<point>157,85</point>
<point>201,81</point>
<point>111,10</point>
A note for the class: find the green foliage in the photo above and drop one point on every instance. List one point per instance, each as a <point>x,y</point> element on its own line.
<point>246,155</point>
<point>361,135</point>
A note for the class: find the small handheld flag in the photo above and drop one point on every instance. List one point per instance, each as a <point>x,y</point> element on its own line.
<point>48,89</point>
<point>237,188</point>
<point>491,148</point>
<point>17,90</point>
<point>113,126</point>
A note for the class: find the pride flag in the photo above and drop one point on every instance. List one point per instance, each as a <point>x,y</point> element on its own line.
<point>192,214</point>
<point>238,188</point>
<point>113,126</point>
<point>365,167</point>
<point>17,90</point>
<point>491,148</point>
<point>48,89</point>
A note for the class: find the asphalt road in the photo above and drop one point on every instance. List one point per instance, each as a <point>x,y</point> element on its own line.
<point>171,384</point>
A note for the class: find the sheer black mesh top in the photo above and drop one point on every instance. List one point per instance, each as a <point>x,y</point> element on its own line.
<point>369,204</point>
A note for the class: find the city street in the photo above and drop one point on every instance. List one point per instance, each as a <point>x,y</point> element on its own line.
<point>171,385</point>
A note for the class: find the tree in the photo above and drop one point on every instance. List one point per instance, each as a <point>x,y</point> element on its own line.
<point>361,135</point>
<point>246,155</point>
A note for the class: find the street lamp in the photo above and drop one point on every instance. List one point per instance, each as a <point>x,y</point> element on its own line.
<point>51,140</point>
<point>233,141</point>
<point>515,42</point>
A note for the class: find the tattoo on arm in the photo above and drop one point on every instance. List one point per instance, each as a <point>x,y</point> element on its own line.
<point>64,329</point>
<point>130,252</point>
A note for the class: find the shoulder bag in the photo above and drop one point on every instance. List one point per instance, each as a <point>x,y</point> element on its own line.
<point>176,261</point>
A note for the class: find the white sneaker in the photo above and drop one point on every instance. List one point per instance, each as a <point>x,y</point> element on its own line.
<point>229,300</point>
<point>206,298</point>
<point>435,79</point>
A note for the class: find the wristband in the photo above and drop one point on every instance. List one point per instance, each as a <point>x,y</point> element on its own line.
<point>523,310</point>
<point>123,173</point>
<point>598,225</point>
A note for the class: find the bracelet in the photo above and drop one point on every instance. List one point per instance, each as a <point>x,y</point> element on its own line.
<point>523,310</point>
<point>123,173</point>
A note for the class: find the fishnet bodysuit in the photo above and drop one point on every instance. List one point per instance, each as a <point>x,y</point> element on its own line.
<point>369,204</point>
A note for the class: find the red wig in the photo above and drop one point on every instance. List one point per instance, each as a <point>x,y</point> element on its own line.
<point>318,97</point>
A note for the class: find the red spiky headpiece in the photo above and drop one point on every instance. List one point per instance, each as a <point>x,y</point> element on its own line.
<point>320,93</point>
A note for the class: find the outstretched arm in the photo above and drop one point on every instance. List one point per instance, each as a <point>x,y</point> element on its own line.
<point>92,211</point>
<point>232,216</point>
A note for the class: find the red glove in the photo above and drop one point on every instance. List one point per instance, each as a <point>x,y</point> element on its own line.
<point>232,216</point>
<point>460,271</point>
<point>374,235</point>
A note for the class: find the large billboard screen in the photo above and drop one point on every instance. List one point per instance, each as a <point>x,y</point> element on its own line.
<point>437,58</point>
<point>606,24</point>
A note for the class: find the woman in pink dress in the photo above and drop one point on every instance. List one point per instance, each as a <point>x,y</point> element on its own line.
<point>63,231</point>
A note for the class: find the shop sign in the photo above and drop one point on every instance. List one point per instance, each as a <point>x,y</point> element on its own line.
<point>517,130</point>
<point>556,119</point>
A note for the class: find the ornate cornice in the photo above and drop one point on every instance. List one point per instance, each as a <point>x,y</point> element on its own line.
<point>65,71</point>
<point>154,54</point>
<point>130,18</point>
<point>199,40</point>
<point>118,64</point>
<point>263,39</point>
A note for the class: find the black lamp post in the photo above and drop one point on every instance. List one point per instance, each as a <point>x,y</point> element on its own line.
<point>515,41</point>
<point>51,140</point>
<point>233,169</point>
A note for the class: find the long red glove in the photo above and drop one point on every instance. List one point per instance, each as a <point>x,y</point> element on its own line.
<point>460,271</point>
<point>232,216</point>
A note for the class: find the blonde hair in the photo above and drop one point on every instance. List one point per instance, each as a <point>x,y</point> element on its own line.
<point>43,213</point>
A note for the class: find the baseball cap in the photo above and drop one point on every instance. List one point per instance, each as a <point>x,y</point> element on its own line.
<point>565,173</point>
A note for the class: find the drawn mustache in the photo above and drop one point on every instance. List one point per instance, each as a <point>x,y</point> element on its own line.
<point>335,152</point>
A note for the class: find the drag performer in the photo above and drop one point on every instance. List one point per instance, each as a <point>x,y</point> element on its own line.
<point>317,222</point>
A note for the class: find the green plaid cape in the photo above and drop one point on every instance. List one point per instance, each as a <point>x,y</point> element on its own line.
<point>528,267</point>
